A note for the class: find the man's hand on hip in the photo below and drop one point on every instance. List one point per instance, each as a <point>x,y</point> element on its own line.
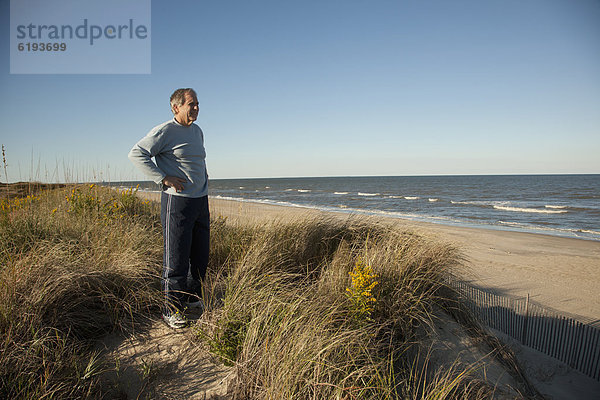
<point>174,182</point>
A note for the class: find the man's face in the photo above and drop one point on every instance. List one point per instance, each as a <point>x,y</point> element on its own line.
<point>187,113</point>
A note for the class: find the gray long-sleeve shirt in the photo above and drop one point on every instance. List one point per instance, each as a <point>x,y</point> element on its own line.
<point>178,151</point>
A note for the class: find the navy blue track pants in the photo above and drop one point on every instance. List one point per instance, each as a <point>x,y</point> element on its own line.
<point>186,239</point>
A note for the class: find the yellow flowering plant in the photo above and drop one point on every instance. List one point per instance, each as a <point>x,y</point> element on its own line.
<point>10,205</point>
<point>360,292</point>
<point>106,204</point>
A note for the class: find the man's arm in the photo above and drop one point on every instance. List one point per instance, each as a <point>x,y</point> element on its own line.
<point>141,157</point>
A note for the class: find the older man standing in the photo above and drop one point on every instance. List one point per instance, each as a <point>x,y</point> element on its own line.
<point>178,150</point>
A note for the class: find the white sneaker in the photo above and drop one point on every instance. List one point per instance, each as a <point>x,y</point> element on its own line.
<point>175,321</point>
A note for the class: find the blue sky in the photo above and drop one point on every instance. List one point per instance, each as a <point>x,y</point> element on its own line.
<point>331,88</point>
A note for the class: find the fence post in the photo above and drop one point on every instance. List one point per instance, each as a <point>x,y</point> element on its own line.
<point>524,331</point>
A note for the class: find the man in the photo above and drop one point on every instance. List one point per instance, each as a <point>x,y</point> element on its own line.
<point>178,149</point>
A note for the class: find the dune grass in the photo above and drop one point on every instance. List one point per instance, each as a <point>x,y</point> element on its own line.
<point>330,309</point>
<point>305,309</point>
<point>75,264</point>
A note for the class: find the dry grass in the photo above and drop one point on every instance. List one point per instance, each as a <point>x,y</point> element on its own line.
<point>68,276</point>
<point>285,313</point>
<point>79,262</point>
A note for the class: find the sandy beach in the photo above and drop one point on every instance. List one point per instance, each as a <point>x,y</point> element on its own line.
<point>561,273</point>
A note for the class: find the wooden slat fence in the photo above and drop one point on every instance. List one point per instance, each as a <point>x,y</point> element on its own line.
<point>573,342</point>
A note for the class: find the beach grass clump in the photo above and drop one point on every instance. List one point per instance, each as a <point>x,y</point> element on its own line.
<point>330,309</point>
<point>75,264</point>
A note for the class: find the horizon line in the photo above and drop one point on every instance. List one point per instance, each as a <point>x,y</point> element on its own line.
<point>321,176</point>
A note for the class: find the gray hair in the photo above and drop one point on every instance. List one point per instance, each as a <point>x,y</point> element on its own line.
<point>178,97</point>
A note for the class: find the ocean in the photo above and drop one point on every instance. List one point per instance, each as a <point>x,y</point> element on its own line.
<point>560,205</point>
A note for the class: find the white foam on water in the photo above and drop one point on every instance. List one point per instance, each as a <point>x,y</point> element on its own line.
<point>505,206</point>
<point>477,203</point>
<point>433,200</point>
<point>340,192</point>
<point>510,223</point>
<point>303,190</point>
<point>368,194</point>
<point>411,197</point>
<point>227,198</point>
<point>529,210</point>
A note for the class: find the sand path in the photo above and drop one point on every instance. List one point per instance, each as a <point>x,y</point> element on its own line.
<point>163,363</point>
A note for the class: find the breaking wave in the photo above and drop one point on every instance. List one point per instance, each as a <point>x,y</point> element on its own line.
<point>529,210</point>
